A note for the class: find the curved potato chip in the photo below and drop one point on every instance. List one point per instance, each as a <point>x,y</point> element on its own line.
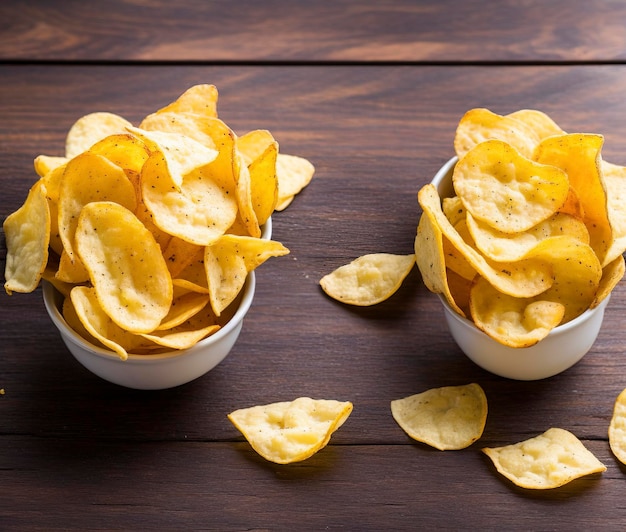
<point>507,191</point>
<point>27,234</point>
<point>294,174</point>
<point>125,150</point>
<point>512,321</point>
<point>182,154</point>
<point>125,265</point>
<point>509,247</point>
<point>576,273</point>
<point>97,322</point>
<point>538,121</point>
<point>479,125</point>
<point>199,211</point>
<point>91,128</point>
<point>44,164</point>
<point>614,179</point>
<point>617,428</point>
<point>579,155</point>
<point>228,261</point>
<point>369,279</point>
<point>547,461</point>
<point>430,256</point>
<point>291,431</point>
<point>199,99</point>
<point>447,418</point>
<point>525,278</point>
<point>612,274</point>
<point>107,182</point>
<point>183,308</point>
<point>259,151</point>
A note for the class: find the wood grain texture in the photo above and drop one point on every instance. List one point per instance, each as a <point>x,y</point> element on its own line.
<point>77,452</point>
<point>328,30</point>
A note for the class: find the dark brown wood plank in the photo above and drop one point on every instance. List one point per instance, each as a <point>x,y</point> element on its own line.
<point>344,30</point>
<point>77,452</point>
<point>225,487</point>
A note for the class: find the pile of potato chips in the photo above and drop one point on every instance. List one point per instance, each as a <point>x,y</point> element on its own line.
<point>535,230</point>
<point>150,232</point>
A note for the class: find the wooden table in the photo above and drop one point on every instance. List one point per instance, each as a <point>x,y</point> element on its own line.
<point>371,93</point>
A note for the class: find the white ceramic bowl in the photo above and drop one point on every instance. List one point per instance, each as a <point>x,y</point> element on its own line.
<point>564,346</point>
<point>157,371</point>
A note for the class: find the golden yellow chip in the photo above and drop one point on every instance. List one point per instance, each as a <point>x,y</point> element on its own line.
<point>99,325</point>
<point>614,180</point>
<point>479,125</point>
<point>199,211</point>
<point>184,307</point>
<point>27,233</point>
<point>44,164</point>
<point>510,247</point>
<point>369,279</point>
<point>447,418</point>
<point>547,461</point>
<point>91,128</point>
<point>125,265</point>
<point>617,428</point>
<point>291,431</point>
<point>538,121</point>
<point>507,191</point>
<point>513,321</point>
<point>106,182</point>
<point>430,256</point>
<point>579,155</point>
<point>199,99</point>
<point>259,151</point>
<point>228,261</point>
<point>525,278</point>
<point>294,174</point>
<point>612,274</point>
<point>127,151</point>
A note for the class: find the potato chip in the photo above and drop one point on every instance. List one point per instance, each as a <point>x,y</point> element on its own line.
<point>91,128</point>
<point>547,461</point>
<point>228,261</point>
<point>541,124</point>
<point>579,155</point>
<point>107,182</point>
<point>199,99</point>
<point>513,321</point>
<point>430,255</point>
<point>507,191</point>
<point>291,431</point>
<point>127,151</point>
<point>510,247</point>
<point>294,174</point>
<point>199,211</point>
<point>617,428</point>
<point>184,307</point>
<point>447,418</point>
<point>97,322</point>
<point>525,278</point>
<point>369,279</point>
<point>614,179</point>
<point>612,274</point>
<point>479,125</point>
<point>27,233</point>
<point>260,151</point>
<point>44,164</point>
<point>125,265</point>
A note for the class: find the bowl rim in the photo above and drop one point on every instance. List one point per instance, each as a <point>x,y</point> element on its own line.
<point>52,298</point>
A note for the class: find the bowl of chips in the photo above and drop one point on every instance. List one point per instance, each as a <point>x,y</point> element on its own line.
<point>160,370</point>
<point>148,271</point>
<point>522,237</point>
